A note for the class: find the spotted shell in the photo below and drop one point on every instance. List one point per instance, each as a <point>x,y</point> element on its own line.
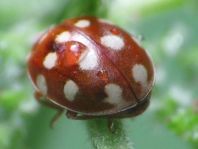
<point>90,66</point>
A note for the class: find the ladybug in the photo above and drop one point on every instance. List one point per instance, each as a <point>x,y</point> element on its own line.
<point>91,69</point>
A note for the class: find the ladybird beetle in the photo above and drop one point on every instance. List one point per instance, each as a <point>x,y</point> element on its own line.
<point>91,68</point>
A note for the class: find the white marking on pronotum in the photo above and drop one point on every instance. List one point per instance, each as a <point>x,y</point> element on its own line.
<point>70,90</point>
<point>79,38</point>
<point>41,84</point>
<point>139,74</point>
<point>114,93</point>
<point>83,55</point>
<point>63,37</point>
<point>112,41</point>
<point>50,60</point>
<point>82,23</point>
<point>89,61</point>
<point>89,58</point>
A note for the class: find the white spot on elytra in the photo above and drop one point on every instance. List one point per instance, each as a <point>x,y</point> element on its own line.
<point>140,75</point>
<point>112,41</point>
<point>114,93</point>
<point>82,23</point>
<point>63,37</point>
<point>50,60</point>
<point>89,61</point>
<point>41,84</point>
<point>70,90</point>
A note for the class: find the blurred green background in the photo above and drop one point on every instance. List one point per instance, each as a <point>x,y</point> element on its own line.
<point>169,28</point>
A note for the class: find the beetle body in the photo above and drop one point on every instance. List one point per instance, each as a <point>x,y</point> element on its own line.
<point>92,68</point>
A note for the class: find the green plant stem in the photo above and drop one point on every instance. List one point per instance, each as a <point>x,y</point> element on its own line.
<point>103,138</point>
<point>76,8</point>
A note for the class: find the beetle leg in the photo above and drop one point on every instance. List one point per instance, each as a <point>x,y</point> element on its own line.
<point>56,118</point>
<point>41,99</point>
<point>71,115</point>
<point>76,116</point>
<point>111,125</point>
